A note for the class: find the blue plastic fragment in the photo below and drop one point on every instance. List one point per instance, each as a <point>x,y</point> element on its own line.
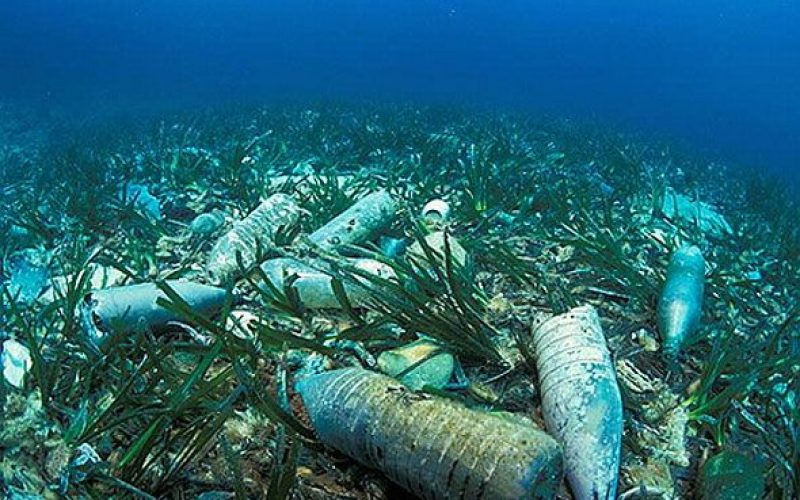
<point>143,200</point>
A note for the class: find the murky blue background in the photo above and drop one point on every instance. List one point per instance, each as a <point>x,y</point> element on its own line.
<point>722,76</point>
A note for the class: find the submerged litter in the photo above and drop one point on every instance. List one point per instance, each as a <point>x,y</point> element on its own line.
<point>431,446</point>
<point>581,401</point>
<point>198,401</point>
<point>436,212</point>
<point>358,223</point>
<point>440,243</point>
<point>250,238</point>
<point>141,198</point>
<point>16,362</point>
<point>315,288</point>
<point>28,275</point>
<point>680,304</point>
<point>125,309</point>
<point>680,207</point>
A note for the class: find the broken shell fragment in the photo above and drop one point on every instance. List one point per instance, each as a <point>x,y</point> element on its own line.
<point>358,223</point>
<point>418,364</point>
<point>314,287</point>
<point>249,235</point>
<point>123,309</point>
<point>431,446</point>
<point>436,211</point>
<point>580,399</point>
<point>681,302</point>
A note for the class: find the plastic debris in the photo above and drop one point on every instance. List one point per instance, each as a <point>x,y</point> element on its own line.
<point>248,236</point>
<point>680,207</point>
<point>580,399</point>
<point>392,247</point>
<point>84,463</point>
<point>436,212</point>
<point>436,242</point>
<point>431,446</point>
<point>418,364</point>
<point>754,275</point>
<point>681,302</point>
<point>28,275</point>
<point>16,362</point>
<point>100,277</point>
<point>143,200</point>
<point>358,223</point>
<point>126,308</point>
<point>315,288</point>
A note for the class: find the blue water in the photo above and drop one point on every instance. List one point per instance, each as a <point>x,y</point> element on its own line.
<point>720,76</point>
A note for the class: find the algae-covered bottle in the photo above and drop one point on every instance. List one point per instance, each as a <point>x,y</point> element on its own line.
<point>124,308</point>
<point>431,446</point>
<point>581,401</point>
<point>681,302</point>
<point>358,223</point>
<point>314,286</point>
<point>249,235</point>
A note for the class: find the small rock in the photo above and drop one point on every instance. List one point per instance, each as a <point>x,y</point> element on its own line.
<point>207,224</point>
<point>432,368</point>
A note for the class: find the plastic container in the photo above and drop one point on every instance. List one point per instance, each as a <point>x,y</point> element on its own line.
<point>580,399</point>
<point>123,309</point>
<point>681,302</point>
<point>431,446</point>
<point>247,236</point>
<point>358,223</point>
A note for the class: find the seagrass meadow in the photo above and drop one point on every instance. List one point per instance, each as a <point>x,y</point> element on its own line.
<point>544,215</point>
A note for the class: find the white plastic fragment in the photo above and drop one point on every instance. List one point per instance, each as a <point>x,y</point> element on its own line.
<point>142,199</point>
<point>437,242</point>
<point>100,277</point>
<point>16,362</point>
<point>681,207</point>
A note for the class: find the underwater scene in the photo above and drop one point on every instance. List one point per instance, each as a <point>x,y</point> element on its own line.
<point>387,250</point>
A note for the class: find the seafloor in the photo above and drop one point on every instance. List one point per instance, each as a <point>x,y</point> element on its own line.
<point>552,214</point>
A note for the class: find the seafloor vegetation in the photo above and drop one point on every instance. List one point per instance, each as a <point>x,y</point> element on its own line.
<point>552,214</point>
